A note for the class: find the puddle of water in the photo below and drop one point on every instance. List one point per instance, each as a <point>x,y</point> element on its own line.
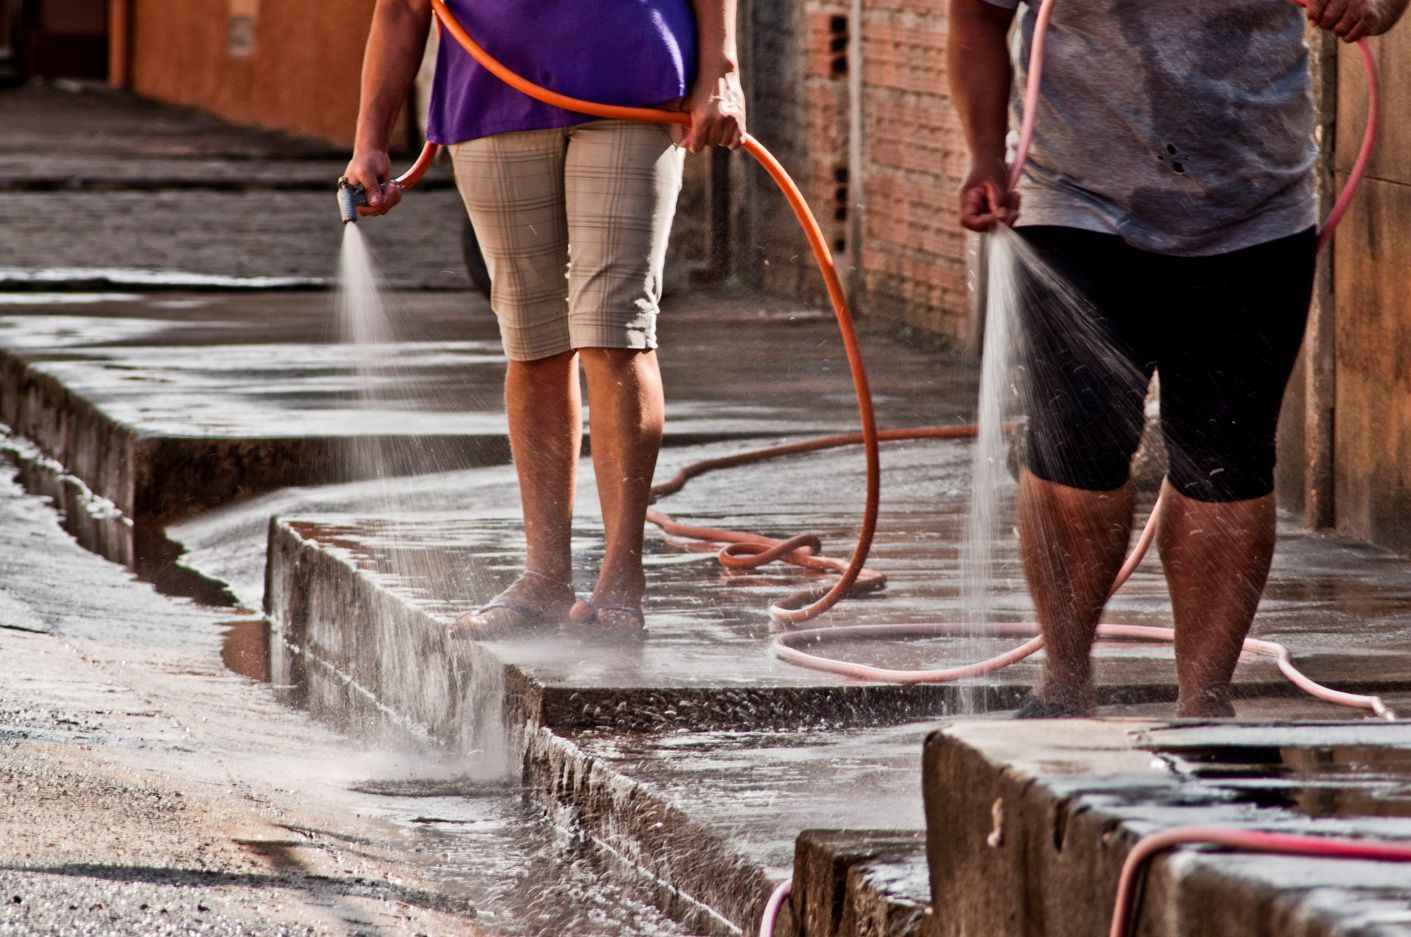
<point>1339,781</point>
<point>245,648</point>
<point>64,299</point>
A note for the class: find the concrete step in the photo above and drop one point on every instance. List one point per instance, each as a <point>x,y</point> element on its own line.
<point>1028,824</point>
<point>715,815</point>
<point>859,883</point>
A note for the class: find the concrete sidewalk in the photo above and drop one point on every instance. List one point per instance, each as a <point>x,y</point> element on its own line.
<point>225,439</point>
<point>103,187</point>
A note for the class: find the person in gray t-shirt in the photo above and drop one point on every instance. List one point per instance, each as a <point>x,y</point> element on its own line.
<point>1170,183</point>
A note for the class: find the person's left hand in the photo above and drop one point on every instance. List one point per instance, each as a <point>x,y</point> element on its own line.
<point>1350,20</point>
<point>717,108</point>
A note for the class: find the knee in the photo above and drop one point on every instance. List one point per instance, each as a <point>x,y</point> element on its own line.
<point>615,360</point>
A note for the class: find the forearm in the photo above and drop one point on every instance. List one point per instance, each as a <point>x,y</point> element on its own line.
<point>977,61</point>
<point>395,46</point>
<point>717,52</point>
<point>1395,9</point>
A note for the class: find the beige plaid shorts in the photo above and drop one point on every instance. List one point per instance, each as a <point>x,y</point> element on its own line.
<point>573,223</point>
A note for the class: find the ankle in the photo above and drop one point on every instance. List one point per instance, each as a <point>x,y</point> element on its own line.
<point>1074,694</point>
<point>1206,703</point>
<point>620,587</point>
<point>547,577</point>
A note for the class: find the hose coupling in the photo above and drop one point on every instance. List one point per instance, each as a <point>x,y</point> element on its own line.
<point>350,196</point>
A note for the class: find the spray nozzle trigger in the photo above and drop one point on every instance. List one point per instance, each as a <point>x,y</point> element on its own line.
<point>350,196</point>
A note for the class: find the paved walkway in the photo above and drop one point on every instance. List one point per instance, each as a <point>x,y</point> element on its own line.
<point>100,181</point>
<point>240,386</point>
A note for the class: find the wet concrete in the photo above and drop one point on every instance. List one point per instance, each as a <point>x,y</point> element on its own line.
<point>145,788</point>
<point>695,754</point>
<point>173,191</point>
<point>167,405</point>
<point>706,658</point>
<point>715,814</point>
<point>1029,824</point>
<point>856,882</point>
<point>181,403</point>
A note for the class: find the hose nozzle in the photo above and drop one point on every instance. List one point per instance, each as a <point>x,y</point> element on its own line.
<point>350,196</point>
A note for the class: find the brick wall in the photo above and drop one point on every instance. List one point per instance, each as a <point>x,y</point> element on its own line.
<point>875,146</point>
<point>913,157</point>
<point>1370,396</point>
<point>798,80</point>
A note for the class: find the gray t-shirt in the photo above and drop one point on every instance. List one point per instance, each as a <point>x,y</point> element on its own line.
<point>1182,126</point>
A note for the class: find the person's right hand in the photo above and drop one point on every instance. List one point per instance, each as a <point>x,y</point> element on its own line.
<point>985,198</point>
<point>1351,20</point>
<point>372,169</point>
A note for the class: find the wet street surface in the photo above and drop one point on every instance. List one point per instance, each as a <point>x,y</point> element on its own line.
<point>145,788</point>
<point>280,737</point>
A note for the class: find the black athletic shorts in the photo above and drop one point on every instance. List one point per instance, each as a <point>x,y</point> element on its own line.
<point>1221,331</point>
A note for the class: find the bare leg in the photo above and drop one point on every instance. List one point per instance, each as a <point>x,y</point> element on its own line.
<point>1216,557</point>
<point>545,412</point>
<point>626,412</point>
<point>1072,542</point>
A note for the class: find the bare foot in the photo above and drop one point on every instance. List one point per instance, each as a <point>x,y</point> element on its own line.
<point>533,602</point>
<point>620,620</point>
<point>616,603</point>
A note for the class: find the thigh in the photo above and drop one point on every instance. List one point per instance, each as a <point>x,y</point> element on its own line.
<point>1085,354</point>
<point>623,179</point>
<point>513,188</point>
<point>1230,338</point>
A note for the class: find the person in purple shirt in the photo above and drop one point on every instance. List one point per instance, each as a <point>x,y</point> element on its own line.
<point>573,215</point>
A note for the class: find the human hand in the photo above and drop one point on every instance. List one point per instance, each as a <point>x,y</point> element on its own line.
<point>1350,20</point>
<point>717,108</point>
<point>985,197</point>
<point>372,169</point>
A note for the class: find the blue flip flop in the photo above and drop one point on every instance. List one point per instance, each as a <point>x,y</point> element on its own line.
<point>523,620</point>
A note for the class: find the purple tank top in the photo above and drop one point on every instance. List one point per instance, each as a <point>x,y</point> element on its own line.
<point>632,52</point>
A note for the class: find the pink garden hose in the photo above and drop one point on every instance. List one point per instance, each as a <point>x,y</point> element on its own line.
<point>1323,847</point>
